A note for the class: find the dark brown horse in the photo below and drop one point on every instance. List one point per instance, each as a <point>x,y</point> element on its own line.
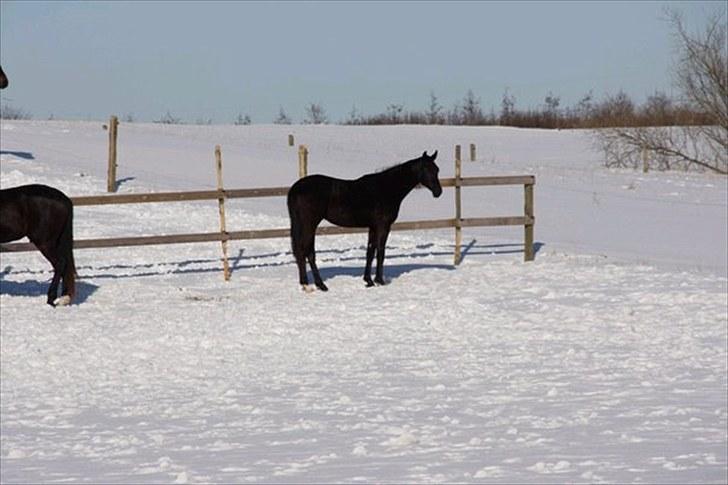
<point>3,79</point>
<point>371,201</point>
<point>45,216</point>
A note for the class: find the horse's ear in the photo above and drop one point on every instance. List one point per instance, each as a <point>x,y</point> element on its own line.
<point>434,155</point>
<point>424,154</point>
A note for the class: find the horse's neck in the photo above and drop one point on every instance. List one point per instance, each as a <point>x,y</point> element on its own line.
<point>401,180</point>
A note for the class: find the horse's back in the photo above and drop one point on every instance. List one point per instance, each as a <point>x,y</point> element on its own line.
<point>32,210</point>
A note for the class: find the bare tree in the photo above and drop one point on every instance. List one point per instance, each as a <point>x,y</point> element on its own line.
<point>242,119</point>
<point>282,118</point>
<point>394,113</point>
<point>471,111</point>
<point>169,119</point>
<point>701,74</point>
<point>354,117</point>
<point>508,107</point>
<point>315,114</point>
<point>434,113</point>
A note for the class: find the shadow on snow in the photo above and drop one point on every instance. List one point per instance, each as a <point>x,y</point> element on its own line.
<point>242,262</point>
<point>35,288</point>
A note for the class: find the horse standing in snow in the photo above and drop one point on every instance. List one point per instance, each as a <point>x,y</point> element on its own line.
<point>45,216</point>
<point>371,201</point>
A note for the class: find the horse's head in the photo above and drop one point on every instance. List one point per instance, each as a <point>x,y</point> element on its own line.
<point>428,173</point>
<point>3,79</point>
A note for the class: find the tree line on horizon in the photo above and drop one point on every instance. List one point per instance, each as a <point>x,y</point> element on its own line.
<point>617,110</point>
<point>613,110</point>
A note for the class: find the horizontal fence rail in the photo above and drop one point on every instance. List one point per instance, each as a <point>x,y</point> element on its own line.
<point>526,220</point>
<point>112,242</point>
<point>86,200</point>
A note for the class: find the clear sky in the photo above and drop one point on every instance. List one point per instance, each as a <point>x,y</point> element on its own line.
<point>215,60</point>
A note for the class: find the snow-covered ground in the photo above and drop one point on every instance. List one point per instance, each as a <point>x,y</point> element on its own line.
<point>605,360</point>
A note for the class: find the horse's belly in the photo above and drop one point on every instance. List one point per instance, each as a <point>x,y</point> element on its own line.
<point>346,218</point>
<point>12,227</point>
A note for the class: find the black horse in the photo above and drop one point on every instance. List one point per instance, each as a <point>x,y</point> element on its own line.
<point>3,79</point>
<point>45,216</point>
<point>371,201</point>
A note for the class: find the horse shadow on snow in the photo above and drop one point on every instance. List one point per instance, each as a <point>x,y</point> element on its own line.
<point>331,260</point>
<point>35,288</point>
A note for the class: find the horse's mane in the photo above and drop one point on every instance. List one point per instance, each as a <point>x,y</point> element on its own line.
<point>392,168</point>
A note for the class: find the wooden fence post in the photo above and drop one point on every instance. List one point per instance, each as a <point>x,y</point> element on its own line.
<point>645,161</point>
<point>111,172</point>
<point>472,152</point>
<point>290,140</point>
<point>302,161</point>
<point>221,207</point>
<point>458,206</point>
<point>528,250</point>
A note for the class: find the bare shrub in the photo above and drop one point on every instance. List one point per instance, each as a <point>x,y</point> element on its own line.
<point>434,114</point>
<point>701,142</point>
<point>169,119</point>
<point>282,118</point>
<point>315,114</point>
<point>242,119</point>
<point>8,112</point>
<point>667,148</point>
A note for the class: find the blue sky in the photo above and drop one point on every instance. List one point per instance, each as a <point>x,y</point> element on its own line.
<point>215,60</point>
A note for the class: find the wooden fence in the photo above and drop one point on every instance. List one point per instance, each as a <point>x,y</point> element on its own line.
<point>526,220</point>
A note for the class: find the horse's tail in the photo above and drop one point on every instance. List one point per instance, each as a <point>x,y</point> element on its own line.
<point>65,250</point>
<point>295,221</point>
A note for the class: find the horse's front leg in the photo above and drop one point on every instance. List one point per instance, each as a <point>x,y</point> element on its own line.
<point>371,248</point>
<point>381,244</point>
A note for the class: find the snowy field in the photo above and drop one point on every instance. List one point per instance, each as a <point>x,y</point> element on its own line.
<point>604,360</point>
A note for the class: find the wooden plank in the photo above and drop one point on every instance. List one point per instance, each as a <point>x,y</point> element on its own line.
<point>269,233</point>
<point>221,211</point>
<point>302,161</point>
<point>495,221</point>
<point>194,195</point>
<point>458,207</point>
<point>485,181</point>
<point>528,252</point>
<point>111,170</point>
<point>143,198</point>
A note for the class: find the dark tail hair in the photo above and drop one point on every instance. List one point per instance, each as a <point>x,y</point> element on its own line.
<point>65,247</point>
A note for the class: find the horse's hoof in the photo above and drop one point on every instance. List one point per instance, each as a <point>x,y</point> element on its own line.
<point>322,287</point>
<point>380,282</point>
<point>308,288</point>
<point>62,301</point>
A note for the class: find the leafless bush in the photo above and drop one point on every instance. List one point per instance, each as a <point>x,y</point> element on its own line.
<point>665,148</point>
<point>282,118</point>
<point>8,112</point>
<point>242,119</point>
<point>169,119</point>
<point>315,114</point>
<point>434,112</point>
<point>701,142</point>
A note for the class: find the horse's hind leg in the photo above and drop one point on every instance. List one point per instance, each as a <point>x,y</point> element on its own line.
<point>311,255</point>
<point>371,248</point>
<point>50,255</point>
<point>381,244</point>
<point>301,263</point>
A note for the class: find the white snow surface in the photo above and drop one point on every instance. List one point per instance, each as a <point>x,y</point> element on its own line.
<point>604,360</point>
